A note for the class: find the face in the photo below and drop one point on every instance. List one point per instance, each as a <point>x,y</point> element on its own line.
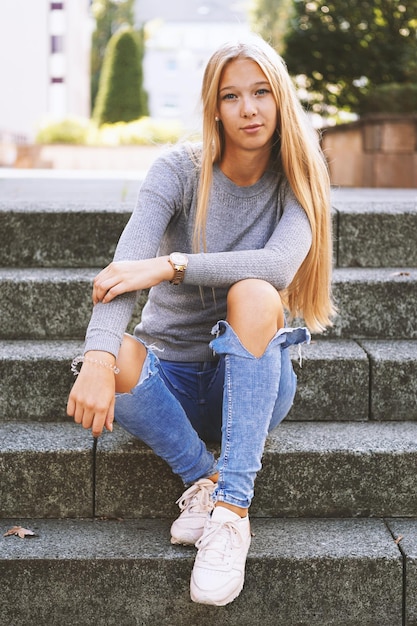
<point>246,106</point>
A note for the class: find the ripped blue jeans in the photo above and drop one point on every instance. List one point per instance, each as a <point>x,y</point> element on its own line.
<point>176,407</point>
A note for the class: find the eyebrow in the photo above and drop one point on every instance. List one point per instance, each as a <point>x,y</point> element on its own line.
<point>261,82</point>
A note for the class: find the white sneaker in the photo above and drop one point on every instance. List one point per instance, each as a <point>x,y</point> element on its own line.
<point>219,568</point>
<point>195,504</point>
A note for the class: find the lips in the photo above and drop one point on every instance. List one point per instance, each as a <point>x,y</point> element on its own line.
<point>251,128</point>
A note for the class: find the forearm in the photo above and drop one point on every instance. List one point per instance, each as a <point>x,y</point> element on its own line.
<point>277,262</point>
<point>108,324</point>
<point>114,306</point>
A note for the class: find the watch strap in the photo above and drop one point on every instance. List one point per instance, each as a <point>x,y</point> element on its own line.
<point>178,277</point>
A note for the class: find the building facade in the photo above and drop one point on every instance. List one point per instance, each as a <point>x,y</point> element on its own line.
<point>45,63</point>
<point>180,37</point>
<point>45,58</point>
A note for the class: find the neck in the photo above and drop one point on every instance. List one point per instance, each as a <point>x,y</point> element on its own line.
<point>245,168</point>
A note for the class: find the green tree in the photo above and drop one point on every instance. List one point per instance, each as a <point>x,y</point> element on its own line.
<point>109,15</point>
<point>120,96</point>
<point>270,19</point>
<point>346,48</point>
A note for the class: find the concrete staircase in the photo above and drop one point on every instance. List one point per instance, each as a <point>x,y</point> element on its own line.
<point>335,509</point>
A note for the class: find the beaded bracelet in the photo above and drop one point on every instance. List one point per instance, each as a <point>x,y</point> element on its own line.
<point>81,359</point>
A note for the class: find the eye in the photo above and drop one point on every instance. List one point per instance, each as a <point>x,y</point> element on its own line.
<point>262,91</point>
<point>229,96</point>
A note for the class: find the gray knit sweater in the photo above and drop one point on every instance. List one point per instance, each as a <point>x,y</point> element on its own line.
<point>260,231</point>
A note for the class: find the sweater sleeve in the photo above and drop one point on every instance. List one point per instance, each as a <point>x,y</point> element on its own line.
<point>160,196</point>
<point>277,262</point>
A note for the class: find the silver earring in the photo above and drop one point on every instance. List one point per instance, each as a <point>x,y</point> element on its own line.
<point>217,119</point>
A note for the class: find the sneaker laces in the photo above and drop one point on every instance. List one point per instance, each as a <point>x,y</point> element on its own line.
<point>196,496</point>
<point>218,541</point>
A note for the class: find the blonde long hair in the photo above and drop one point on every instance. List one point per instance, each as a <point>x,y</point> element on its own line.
<point>303,163</point>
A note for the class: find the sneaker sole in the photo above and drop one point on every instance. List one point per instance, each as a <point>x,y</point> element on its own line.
<point>182,542</point>
<point>205,600</point>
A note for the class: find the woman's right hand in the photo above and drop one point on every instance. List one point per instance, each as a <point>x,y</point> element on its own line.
<point>91,401</point>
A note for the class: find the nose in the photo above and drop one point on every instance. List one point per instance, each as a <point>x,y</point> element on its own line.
<point>248,108</point>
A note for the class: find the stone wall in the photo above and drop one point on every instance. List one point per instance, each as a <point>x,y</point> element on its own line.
<point>375,151</point>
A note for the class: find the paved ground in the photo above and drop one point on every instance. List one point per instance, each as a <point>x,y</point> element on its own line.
<point>122,185</point>
<point>57,186</point>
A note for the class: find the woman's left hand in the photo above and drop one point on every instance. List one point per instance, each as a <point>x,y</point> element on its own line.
<point>123,276</point>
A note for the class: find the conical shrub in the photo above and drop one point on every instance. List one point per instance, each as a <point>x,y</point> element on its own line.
<point>120,96</point>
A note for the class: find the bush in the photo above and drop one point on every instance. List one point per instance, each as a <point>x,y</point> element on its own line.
<point>70,130</point>
<point>389,98</point>
<point>144,132</point>
<point>120,96</point>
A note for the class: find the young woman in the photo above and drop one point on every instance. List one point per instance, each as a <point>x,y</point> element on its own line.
<point>227,235</point>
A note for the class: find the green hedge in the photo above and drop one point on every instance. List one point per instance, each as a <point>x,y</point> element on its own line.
<point>390,98</point>
<point>144,131</point>
<point>70,130</point>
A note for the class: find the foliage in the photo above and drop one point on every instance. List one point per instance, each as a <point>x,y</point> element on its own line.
<point>121,97</point>
<point>270,19</point>
<point>389,98</point>
<point>110,16</point>
<point>345,49</point>
<point>19,531</point>
<point>144,131</point>
<point>71,130</point>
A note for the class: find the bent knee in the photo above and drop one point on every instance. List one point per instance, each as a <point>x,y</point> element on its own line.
<point>253,290</point>
<point>255,312</point>
<point>257,300</point>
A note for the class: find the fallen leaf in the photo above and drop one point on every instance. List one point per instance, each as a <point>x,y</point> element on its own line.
<point>398,539</point>
<point>401,274</point>
<point>19,531</point>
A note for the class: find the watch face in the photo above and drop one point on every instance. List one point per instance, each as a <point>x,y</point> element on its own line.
<point>178,258</point>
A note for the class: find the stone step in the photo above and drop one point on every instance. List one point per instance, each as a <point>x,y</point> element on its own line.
<point>46,303</point>
<point>73,235</point>
<point>46,471</point>
<point>341,380</point>
<point>375,303</point>
<point>315,572</point>
<point>404,532</point>
<point>393,379</point>
<point>338,380</point>
<point>64,220</point>
<point>83,232</point>
<point>381,233</point>
<point>35,379</point>
<point>310,469</point>
<point>41,303</point>
<point>56,303</point>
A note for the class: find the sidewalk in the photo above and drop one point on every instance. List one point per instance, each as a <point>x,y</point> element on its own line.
<point>56,185</point>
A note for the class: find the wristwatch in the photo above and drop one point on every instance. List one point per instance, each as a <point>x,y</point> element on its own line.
<point>179,262</point>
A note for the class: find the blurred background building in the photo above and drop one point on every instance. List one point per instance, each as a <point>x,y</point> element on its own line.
<point>44,63</point>
<point>180,37</point>
<point>45,58</point>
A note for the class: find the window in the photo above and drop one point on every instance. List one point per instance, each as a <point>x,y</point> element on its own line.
<point>171,64</point>
<point>169,106</point>
<point>57,43</point>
